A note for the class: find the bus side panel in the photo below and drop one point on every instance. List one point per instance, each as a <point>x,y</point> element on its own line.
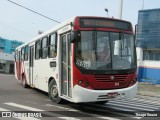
<point>16,69</point>
<point>17,65</point>
<point>20,70</point>
<point>42,73</point>
<point>36,73</point>
<point>26,71</point>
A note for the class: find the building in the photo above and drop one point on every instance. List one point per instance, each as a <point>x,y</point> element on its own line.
<point>148,46</point>
<point>7,50</point>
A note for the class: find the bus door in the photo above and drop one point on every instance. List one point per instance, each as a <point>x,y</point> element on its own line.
<point>66,65</point>
<point>31,61</point>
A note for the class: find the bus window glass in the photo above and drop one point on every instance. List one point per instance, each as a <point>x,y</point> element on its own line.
<point>52,46</point>
<point>101,50</point>
<point>16,57</point>
<point>122,51</point>
<point>64,49</point>
<point>38,49</point>
<point>22,53</point>
<point>44,48</point>
<point>69,50</point>
<point>26,53</point>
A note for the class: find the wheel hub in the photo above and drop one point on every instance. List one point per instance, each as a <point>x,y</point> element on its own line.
<point>54,91</point>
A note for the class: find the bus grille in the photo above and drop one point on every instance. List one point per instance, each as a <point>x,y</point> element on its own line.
<point>110,78</point>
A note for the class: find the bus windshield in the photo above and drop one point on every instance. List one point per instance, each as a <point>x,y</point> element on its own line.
<point>102,50</point>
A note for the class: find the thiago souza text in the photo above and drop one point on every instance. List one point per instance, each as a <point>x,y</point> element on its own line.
<point>146,114</point>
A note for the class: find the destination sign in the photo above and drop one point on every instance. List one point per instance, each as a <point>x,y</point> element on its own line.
<point>104,23</point>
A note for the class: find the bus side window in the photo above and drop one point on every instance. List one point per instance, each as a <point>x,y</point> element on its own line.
<point>26,53</point>
<point>16,57</point>
<point>52,45</point>
<point>38,50</point>
<point>22,53</point>
<point>44,47</point>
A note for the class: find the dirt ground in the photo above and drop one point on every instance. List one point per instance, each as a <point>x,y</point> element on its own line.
<point>148,89</point>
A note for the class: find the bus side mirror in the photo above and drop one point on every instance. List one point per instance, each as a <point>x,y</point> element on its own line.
<point>75,36</point>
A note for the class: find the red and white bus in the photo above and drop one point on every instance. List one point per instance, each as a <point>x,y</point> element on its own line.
<point>84,59</point>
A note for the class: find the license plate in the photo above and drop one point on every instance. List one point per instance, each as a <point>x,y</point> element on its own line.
<point>112,95</point>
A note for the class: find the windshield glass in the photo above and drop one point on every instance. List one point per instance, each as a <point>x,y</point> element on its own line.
<point>101,50</point>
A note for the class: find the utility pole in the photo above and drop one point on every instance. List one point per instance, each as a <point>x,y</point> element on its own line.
<point>117,44</point>
<point>120,8</point>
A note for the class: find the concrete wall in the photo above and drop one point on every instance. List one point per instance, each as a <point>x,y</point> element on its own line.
<point>7,61</point>
<point>6,56</point>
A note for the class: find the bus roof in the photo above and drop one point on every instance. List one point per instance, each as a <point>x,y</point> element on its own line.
<point>61,25</point>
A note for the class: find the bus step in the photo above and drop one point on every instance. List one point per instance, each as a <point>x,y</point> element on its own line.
<point>32,86</point>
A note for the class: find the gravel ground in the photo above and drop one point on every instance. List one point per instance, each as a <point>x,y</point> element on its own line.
<point>148,89</point>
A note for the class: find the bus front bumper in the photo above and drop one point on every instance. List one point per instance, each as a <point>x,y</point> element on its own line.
<point>81,94</point>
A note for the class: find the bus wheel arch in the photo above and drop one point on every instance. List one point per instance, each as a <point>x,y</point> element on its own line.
<point>50,79</point>
<point>53,91</point>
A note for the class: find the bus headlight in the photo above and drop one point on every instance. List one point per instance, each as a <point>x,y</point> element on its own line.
<point>86,84</point>
<point>83,83</point>
<point>132,82</point>
<point>80,82</point>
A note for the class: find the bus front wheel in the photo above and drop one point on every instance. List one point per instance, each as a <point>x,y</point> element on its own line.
<point>53,92</point>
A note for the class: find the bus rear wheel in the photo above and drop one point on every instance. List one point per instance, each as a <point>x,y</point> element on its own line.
<point>24,82</point>
<point>53,92</point>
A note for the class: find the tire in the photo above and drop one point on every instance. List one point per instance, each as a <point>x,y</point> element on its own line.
<point>24,82</point>
<point>53,93</point>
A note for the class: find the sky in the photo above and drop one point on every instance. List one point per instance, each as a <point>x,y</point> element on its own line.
<point>20,24</point>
